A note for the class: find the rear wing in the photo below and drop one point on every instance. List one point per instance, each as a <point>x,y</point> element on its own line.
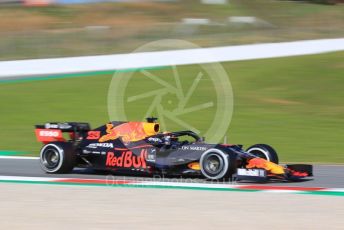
<point>53,131</point>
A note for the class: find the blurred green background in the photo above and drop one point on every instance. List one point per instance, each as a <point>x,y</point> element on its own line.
<point>294,103</point>
<point>107,28</point>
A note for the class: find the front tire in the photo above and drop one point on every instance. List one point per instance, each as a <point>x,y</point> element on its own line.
<point>264,151</point>
<point>57,157</point>
<point>216,164</point>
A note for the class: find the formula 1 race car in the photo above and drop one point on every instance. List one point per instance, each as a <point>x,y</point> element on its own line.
<point>139,148</point>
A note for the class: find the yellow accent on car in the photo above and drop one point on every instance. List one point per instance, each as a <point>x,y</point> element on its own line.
<point>151,128</point>
<point>274,168</point>
<point>194,166</point>
<point>264,164</point>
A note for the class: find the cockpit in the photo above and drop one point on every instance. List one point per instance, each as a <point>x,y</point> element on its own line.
<point>174,139</point>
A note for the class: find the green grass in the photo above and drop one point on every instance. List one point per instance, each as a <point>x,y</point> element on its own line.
<point>295,104</point>
<point>59,31</point>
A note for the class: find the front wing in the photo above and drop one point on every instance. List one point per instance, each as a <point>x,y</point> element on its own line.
<point>291,172</point>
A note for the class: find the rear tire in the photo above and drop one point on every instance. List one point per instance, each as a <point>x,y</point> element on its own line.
<point>264,151</point>
<point>57,157</point>
<point>216,164</point>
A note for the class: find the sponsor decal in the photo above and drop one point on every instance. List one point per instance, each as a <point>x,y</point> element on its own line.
<point>51,126</point>
<point>57,126</point>
<point>153,151</point>
<point>93,135</point>
<point>112,133</point>
<point>49,135</point>
<point>86,151</point>
<point>194,148</point>
<point>151,158</point>
<point>127,160</point>
<point>155,140</point>
<point>251,172</point>
<point>298,174</point>
<point>90,152</point>
<point>152,155</point>
<point>65,126</point>
<point>103,145</point>
<point>130,131</point>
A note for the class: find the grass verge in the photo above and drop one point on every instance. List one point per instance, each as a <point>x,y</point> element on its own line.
<point>295,104</point>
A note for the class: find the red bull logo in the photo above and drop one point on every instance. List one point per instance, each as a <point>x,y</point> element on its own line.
<point>127,160</point>
<point>130,131</point>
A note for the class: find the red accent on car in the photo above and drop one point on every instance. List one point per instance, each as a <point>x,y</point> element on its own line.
<point>49,135</point>
<point>127,160</point>
<point>93,135</point>
<point>299,174</point>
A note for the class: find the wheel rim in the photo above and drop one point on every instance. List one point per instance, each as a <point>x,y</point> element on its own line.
<point>51,158</point>
<point>213,164</point>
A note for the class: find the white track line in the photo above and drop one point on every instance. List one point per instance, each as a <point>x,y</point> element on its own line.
<point>160,184</point>
<point>21,178</point>
<point>19,158</point>
<point>334,190</point>
<point>166,58</point>
<point>190,184</point>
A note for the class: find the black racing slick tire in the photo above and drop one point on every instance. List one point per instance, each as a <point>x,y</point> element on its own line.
<point>57,157</point>
<point>216,164</point>
<point>264,151</point>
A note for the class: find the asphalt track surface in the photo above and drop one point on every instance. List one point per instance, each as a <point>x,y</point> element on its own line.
<point>40,206</point>
<point>326,176</point>
<point>27,206</point>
